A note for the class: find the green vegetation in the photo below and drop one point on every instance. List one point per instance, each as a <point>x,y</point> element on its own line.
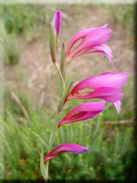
<point>28,18</point>
<point>22,18</point>
<point>10,48</point>
<point>124,15</point>
<point>27,130</point>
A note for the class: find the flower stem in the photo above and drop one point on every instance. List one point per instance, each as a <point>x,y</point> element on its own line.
<point>54,131</point>
<point>53,134</point>
<point>61,77</point>
<point>47,170</point>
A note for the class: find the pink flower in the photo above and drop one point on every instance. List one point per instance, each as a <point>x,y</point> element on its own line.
<point>75,148</point>
<point>106,86</point>
<point>57,21</point>
<point>91,40</point>
<point>82,112</point>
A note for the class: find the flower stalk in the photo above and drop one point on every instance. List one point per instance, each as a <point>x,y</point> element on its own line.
<point>107,87</point>
<point>61,77</point>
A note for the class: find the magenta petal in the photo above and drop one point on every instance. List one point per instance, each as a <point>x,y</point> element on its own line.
<point>75,148</point>
<point>103,50</point>
<point>106,86</point>
<point>95,38</point>
<point>106,93</point>
<point>110,79</point>
<point>57,21</point>
<point>77,37</point>
<point>82,112</point>
<point>98,37</point>
<point>92,41</point>
<point>90,36</point>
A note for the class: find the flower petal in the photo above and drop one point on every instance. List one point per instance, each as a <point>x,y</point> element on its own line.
<point>96,37</point>
<point>106,86</point>
<point>109,79</point>
<point>75,148</point>
<point>103,49</point>
<point>106,93</point>
<point>81,35</point>
<point>77,37</point>
<point>82,112</point>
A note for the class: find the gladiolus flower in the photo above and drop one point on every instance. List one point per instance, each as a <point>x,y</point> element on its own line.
<point>75,148</point>
<point>57,22</point>
<point>91,40</point>
<point>82,112</point>
<point>106,86</point>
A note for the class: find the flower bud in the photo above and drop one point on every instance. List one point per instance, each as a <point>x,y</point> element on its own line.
<point>57,22</point>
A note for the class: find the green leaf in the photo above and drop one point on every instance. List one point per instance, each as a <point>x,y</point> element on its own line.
<point>61,104</point>
<point>62,60</point>
<point>43,168</point>
<point>52,44</point>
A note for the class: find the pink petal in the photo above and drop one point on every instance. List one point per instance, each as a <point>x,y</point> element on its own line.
<point>82,112</point>
<point>80,35</point>
<point>106,86</point>
<point>97,37</point>
<point>109,79</point>
<point>75,148</point>
<point>76,37</point>
<point>103,49</point>
<point>106,93</point>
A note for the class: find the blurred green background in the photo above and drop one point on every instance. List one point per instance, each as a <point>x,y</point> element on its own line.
<point>31,93</point>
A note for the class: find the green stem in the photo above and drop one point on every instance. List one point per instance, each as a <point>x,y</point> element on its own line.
<point>53,134</point>
<point>61,77</point>
<point>47,170</point>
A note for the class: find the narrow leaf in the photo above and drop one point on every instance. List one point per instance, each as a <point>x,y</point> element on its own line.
<point>43,168</point>
<point>61,104</point>
<point>62,60</point>
<point>52,44</point>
